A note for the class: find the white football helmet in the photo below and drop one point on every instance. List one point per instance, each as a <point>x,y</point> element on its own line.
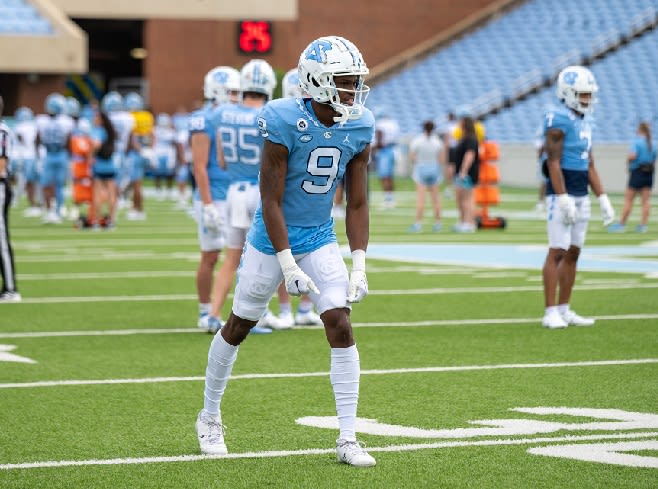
<point>258,76</point>
<point>326,58</point>
<point>219,83</point>
<point>571,82</point>
<point>55,104</point>
<point>290,84</point>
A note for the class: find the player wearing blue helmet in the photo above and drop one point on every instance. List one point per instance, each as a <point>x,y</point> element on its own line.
<point>309,144</point>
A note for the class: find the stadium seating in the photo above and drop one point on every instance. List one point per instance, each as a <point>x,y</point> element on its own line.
<point>523,50</point>
<point>21,18</point>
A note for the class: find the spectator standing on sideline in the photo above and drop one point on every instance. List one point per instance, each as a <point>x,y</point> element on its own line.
<point>641,168</point>
<point>467,169</point>
<point>570,170</point>
<point>427,154</point>
<point>309,143</point>
<point>9,292</point>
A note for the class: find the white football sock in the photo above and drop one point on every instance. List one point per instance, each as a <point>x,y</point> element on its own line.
<point>563,308</point>
<point>221,358</point>
<point>204,308</point>
<point>344,375</point>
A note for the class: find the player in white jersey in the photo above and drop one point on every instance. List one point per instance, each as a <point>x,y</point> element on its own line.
<point>113,105</point>
<point>427,153</point>
<point>220,85</point>
<point>309,144</point>
<point>387,132</point>
<point>25,153</point>
<point>166,156</point>
<point>570,169</point>
<point>9,291</point>
<point>53,132</point>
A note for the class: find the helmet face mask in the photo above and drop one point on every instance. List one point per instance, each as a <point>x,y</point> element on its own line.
<point>221,84</point>
<point>257,76</point>
<point>577,88</point>
<point>326,59</point>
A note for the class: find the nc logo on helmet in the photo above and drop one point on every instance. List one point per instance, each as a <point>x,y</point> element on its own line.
<point>317,50</point>
<point>570,77</point>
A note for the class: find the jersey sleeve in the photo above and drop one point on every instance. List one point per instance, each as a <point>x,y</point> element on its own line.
<point>272,126</point>
<point>554,119</point>
<point>198,123</point>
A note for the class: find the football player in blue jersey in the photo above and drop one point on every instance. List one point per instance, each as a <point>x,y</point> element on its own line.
<point>570,169</point>
<point>240,154</point>
<point>309,144</point>
<point>53,132</point>
<point>220,86</point>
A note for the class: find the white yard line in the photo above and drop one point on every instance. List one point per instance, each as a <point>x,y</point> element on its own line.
<point>325,451</point>
<point>459,368</point>
<point>428,291</point>
<point>400,324</point>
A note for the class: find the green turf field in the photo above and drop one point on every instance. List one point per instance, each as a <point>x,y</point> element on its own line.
<point>101,365</point>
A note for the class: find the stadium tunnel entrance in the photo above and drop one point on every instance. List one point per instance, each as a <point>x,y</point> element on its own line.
<point>116,59</point>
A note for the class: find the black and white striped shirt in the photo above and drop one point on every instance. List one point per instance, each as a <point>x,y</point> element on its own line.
<point>5,148</point>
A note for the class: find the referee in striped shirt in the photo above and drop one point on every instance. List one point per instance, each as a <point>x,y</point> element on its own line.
<point>9,292</point>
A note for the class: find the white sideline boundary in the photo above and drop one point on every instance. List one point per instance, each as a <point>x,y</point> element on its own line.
<point>323,451</point>
<point>457,368</point>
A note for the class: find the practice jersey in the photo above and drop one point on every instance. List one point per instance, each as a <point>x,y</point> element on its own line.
<point>241,141</point>
<point>575,150</point>
<point>643,154</point>
<point>54,132</point>
<point>317,159</point>
<point>206,121</point>
<point>389,129</point>
<point>123,123</point>
<point>25,138</point>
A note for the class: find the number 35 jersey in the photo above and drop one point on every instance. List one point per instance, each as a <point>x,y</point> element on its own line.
<point>575,150</point>
<point>317,159</point>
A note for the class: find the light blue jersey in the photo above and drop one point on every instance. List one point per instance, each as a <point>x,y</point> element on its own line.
<point>317,160</point>
<point>576,148</point>
<point>241,141</point>
<point>206,120</point>
<point>643,154</point>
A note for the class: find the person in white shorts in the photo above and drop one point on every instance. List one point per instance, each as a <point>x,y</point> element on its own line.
<point>570,169</point>
<point>309,144</point>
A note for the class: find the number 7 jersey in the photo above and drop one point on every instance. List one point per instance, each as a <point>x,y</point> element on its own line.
<point>317,156</point>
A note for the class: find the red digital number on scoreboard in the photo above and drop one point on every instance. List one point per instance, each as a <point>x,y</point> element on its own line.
<point>254,36</point>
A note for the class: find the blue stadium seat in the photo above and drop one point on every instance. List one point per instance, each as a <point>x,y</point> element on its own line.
<point>521,49</point>
<point>21,18</point>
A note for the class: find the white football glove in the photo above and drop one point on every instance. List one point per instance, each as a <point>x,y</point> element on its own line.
<point>358,287</point>
<point>212,218</point>
<point>297,282</point>
<point>607,212</point>
<point>567,208</point>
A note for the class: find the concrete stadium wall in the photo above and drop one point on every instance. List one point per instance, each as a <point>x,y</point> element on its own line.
<point>518,165</point>
<point>181,52</point>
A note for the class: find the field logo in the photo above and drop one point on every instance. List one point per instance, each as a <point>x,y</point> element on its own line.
<point>606,420</point>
